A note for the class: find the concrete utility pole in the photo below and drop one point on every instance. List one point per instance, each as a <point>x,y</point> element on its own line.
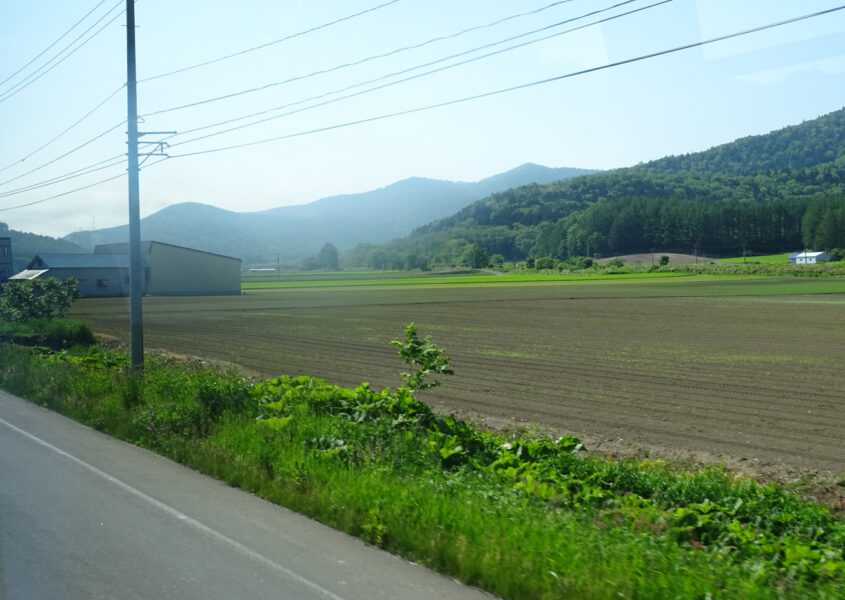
<point>136,272</point>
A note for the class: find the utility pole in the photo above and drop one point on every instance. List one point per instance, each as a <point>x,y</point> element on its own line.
<point>136,273</point>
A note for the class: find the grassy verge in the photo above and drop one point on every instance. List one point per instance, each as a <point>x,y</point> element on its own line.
<point>519,516</point>
<point>53,333</point>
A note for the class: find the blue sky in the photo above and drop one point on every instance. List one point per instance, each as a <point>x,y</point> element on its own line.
<point>682,102</point>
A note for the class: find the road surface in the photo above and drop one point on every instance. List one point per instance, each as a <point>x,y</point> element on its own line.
<point>85,516</point>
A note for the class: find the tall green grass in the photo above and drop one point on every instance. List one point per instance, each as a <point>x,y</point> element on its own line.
<point>520,516</point>
<point>54,333</point>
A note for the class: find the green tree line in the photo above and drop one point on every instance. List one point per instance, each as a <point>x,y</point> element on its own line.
<point>769,193</point>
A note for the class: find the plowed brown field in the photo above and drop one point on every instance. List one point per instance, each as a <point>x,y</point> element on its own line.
<point>749,372</point>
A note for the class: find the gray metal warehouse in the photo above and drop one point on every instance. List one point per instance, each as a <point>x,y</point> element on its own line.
<point>177,271</point>
<point>169,270</point>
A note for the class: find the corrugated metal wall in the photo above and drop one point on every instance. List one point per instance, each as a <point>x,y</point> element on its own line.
<point>176,271</point>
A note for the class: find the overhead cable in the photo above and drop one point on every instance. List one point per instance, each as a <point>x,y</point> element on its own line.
<point>59,39</point>
<point>35,76</point>
<point>412,77</point>
<point>65,155</point>
<point>516,87</point>
<point>85,187</point>
<point>274,42</point>
<point>371,58</point>
<point>85,116</point>
<point>79,189</point>
<point>99,166</point>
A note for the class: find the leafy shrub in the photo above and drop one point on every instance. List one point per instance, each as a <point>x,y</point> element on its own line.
<point>545,263</point>
<point>37,299</point>
<point>577,263</point>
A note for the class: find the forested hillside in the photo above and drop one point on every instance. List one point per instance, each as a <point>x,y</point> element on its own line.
<point>799,146</point>
<point>26,245</point>
<point>767,193</point>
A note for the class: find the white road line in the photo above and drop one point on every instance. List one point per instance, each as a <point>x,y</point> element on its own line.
<point>180,516</point>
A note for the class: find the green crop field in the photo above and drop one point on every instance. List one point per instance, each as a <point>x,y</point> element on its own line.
<point>392,278</point>
<point>739,369</point>
<point>770,259</point>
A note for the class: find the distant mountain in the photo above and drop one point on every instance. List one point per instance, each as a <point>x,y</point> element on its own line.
<point>295,232</point>
<point>749,194</point>
<point>26,245</point>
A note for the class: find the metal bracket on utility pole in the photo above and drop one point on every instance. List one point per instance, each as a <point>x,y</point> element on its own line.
<point>158,146</point>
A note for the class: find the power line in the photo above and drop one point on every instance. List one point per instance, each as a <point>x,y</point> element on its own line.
<point>367,59</point>
<point>99,166</point>
<point>32,78</point>
<point>274,42</point>
<point>60,38</point>
<point>417,76</point>
<point>85,187</point>
<point>85,116</point>
<point>464,53</point>
<point>66,154</point>
<point>96,183</point>
<point>517,87</point>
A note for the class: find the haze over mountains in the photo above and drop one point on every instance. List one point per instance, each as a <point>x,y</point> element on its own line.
<point>295,232</point>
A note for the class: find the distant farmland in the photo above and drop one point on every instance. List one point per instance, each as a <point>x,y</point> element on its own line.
<point>739,369</point>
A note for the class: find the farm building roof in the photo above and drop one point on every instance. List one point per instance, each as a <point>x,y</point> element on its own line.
<point>123,248</point>
<point>79,261</point>
<point>807,254</point>
<point>28,274</point>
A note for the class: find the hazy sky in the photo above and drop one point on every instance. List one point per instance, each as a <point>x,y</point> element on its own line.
<point>677,103</point>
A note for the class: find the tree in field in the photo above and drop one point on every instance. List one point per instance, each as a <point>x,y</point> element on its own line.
<point>37,299</point>
<point>474,257</point>
<point>327,258</point>
<point>545,263</point>
<point>664,260</point>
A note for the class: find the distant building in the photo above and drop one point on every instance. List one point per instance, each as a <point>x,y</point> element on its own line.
<point>168,271</point>
<point>177,271</point>
<point>98,276</point>
<point>808,258</point>
<point>6,268</point>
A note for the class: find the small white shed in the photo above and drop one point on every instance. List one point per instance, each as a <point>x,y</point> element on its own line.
<point>809,258</point>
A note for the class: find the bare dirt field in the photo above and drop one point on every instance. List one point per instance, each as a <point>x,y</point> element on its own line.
<point>653,258</point>
<point>747,372</point>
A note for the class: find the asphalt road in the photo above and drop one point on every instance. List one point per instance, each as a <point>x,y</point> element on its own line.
<point>85,516</point>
